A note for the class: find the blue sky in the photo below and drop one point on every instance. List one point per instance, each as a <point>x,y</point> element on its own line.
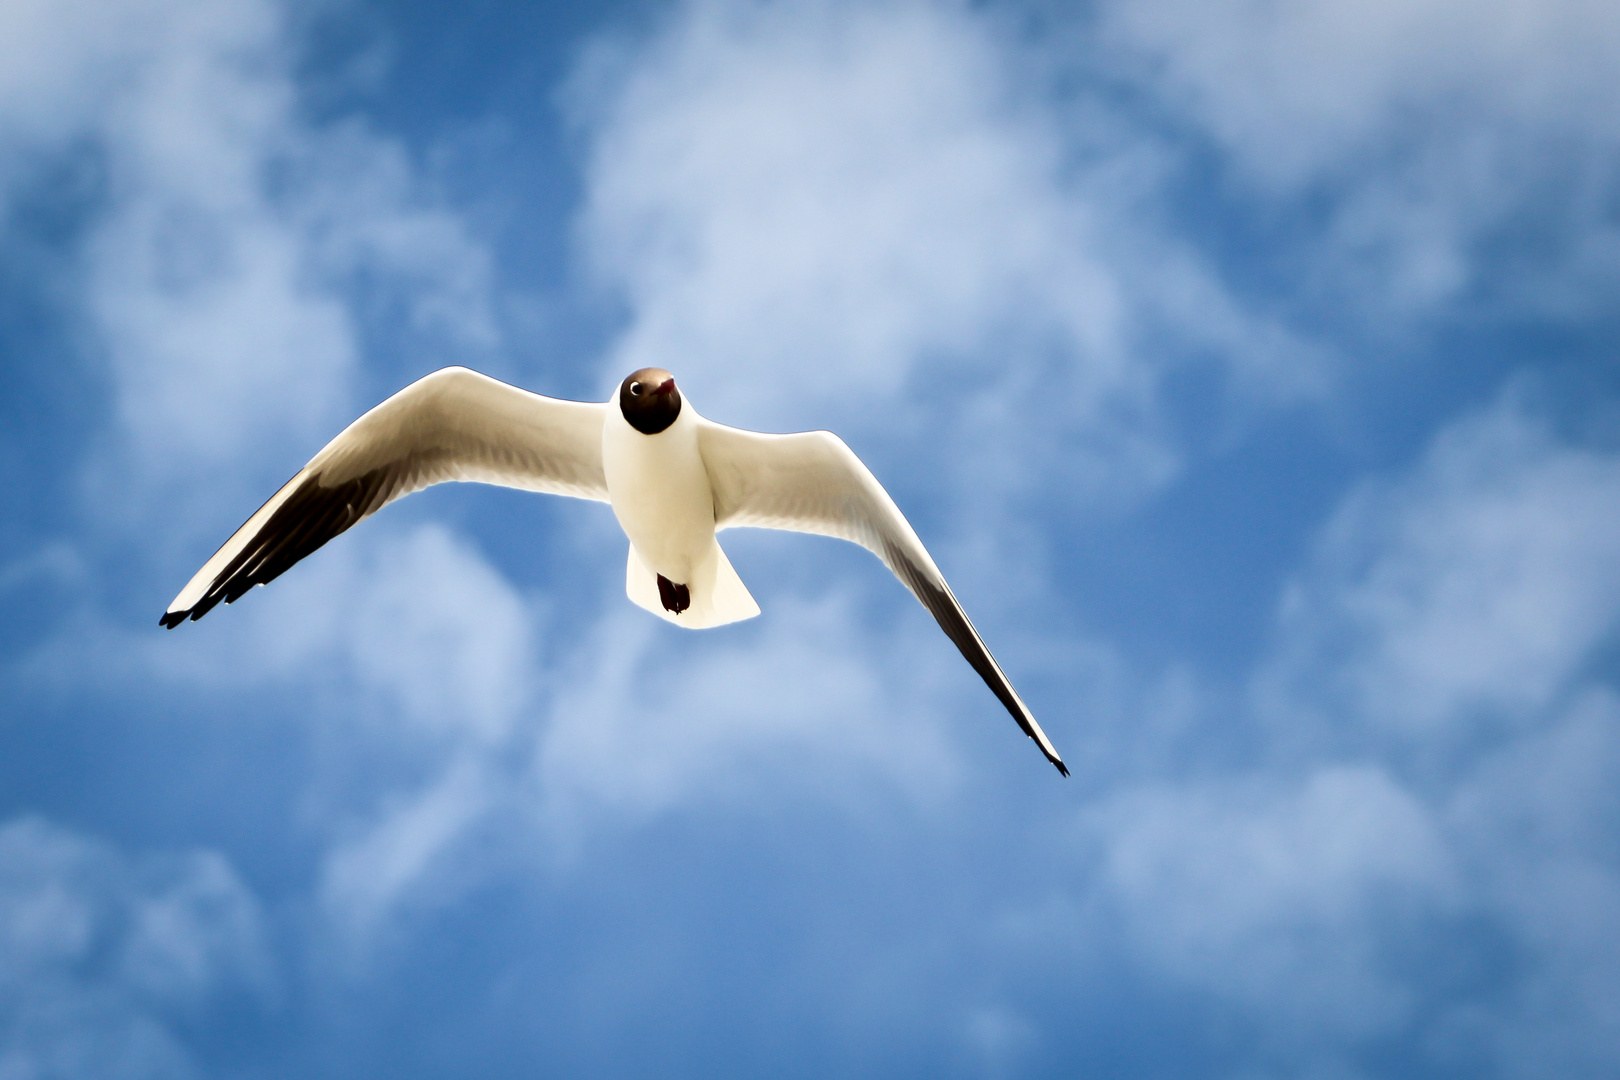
<point>1248,368</point>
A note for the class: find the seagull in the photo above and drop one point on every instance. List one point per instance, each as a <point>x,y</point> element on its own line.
<point>673,478</point>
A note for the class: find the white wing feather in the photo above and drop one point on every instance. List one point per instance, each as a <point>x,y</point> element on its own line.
<point>811,482</point>
<point>454,424</point>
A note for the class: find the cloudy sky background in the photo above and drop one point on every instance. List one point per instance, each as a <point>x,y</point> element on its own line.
<point>1275,347</point>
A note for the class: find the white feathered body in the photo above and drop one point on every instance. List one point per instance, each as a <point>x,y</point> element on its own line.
<point>659,488</point>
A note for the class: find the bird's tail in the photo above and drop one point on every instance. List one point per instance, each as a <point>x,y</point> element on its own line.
<point>715,595</point>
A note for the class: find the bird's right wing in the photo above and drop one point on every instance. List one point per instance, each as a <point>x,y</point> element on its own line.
<point>454,424</point>
<point>811,482</point>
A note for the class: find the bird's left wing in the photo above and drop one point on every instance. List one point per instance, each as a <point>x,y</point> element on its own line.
<point>811,482</point>
<point>454,424</point>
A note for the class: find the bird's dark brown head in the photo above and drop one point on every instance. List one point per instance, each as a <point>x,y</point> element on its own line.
<point>649,401</point>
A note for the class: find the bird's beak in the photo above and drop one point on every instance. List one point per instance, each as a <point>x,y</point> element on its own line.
<point>666,387</point>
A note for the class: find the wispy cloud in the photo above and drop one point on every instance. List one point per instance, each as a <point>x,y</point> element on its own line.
<point>105,958</point>
<point>870,212</point>
<point>234,261</point>
<point>1432,139</point>
<point>1391,837</point>
<point>1467,594</point>
<point>228,237</point>
<point>1281,897</point>
<point>1432,742</point>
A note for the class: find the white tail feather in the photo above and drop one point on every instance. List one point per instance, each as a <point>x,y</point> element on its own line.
<point>718,595</point>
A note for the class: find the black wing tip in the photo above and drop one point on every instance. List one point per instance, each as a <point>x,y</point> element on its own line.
<point>1062,768</point>
<point>172,619</point>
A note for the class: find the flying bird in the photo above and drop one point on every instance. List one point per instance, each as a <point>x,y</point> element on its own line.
<point>673,478</point>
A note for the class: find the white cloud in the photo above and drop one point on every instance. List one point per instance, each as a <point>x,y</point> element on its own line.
<point>1445,636</point>
<point>231,267</point>
<point>1277,896</point>
<point>867,214</point>
<point>224,252</point>
<point>1419,846</point>
<point>1539,822</point>
<point>103,957</point>
<point>401,855</point>
<point>443,635</point>
<point>423,661</point>
<point>1424,130</point>
<point>1299,87</point>
<point>662,721</point>
<point>1471,590</point>
<point>831,193</point>
<point>193,276</point>
<point>59,61</point>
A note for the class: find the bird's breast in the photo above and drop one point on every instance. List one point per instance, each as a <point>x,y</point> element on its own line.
<point>660,493</point>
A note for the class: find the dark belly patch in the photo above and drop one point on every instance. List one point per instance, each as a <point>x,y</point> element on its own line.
<point>676,598</point>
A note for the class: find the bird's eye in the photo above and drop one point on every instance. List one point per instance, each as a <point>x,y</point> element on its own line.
<point>635,389</point>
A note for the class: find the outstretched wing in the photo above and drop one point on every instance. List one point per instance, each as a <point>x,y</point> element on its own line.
<point>811,482</point>
<point>454,424</point>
